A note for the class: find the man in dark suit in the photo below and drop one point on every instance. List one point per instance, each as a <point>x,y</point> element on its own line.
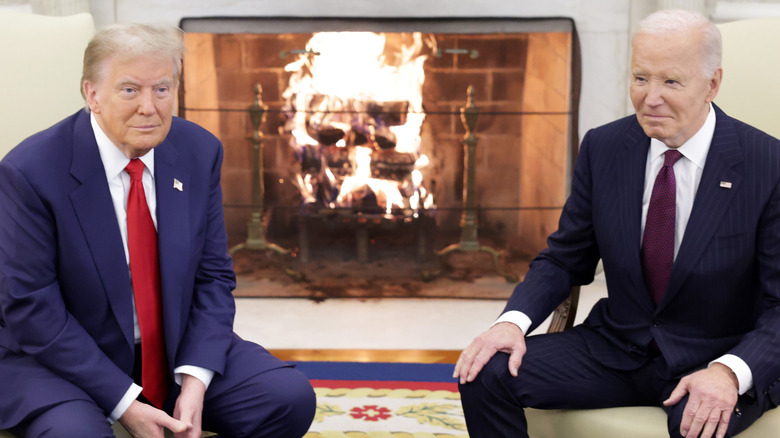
<point>681,203</point>
<point>115,278</point>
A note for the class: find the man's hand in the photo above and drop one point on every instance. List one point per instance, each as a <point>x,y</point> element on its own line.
<point>505,337</point>
<point>144,421</point>
<point>713,395</point>
<point>189,406</point>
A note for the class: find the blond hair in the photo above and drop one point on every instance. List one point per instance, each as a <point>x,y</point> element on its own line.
<point>131,41</point>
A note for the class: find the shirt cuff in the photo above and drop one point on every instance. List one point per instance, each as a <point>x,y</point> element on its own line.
<point>517,318</point>
<point>203,374</point>
<point>132,393</point>
<point>740,369</point>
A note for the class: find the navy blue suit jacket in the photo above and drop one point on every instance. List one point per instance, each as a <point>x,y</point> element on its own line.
<point>724,292</point>
<point>66,327</point>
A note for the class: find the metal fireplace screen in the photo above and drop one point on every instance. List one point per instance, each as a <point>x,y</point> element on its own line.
<point>360,124</point>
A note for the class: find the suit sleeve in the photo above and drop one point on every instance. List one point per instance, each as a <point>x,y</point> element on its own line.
<point>34,315</point>
<point>760,348</point>
<point>209,330</point>
<point>571,255</point>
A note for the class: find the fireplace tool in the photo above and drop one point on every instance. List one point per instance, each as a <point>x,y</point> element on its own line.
<point>468,223</point>
<point>256,240</point>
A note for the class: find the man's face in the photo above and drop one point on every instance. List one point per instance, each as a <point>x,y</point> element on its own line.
<point>133,101</point>
<point>670,93</point>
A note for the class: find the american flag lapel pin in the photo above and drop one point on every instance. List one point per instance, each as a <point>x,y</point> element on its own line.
<point>180,187</point>
<point>725,184</point>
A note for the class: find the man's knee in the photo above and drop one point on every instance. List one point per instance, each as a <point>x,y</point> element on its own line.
<point>489,381</point>
<point>279,403</point>
<point>297,404</point>
<point>73,419</point>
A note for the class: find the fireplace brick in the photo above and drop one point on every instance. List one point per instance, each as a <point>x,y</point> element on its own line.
<point>495,51</point>
<point>237,87</point>
<point>227,51</point>
<point>451,85</point>
<point>264,51</point>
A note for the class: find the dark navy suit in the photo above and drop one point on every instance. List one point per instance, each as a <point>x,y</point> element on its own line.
<point>723,295</point>
<point>66,328</point>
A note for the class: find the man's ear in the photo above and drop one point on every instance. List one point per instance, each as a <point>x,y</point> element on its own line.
<point>91,96</point>
<point>714,84</point>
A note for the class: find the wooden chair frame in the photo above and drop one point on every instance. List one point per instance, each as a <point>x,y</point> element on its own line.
<point>563,316</point>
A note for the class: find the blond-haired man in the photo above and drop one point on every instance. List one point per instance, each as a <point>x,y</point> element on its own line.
<point>115,278</point>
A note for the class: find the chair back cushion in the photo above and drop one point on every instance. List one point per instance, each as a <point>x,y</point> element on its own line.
<point>39,81</point>
<point>751,62</point>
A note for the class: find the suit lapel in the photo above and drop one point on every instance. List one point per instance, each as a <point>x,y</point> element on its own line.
<point>95,212</point>
<point>711,201</point>
<point>631,180</point>
<point>172,184</point>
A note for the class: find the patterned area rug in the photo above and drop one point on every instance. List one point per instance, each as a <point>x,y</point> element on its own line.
<point>384,400</point>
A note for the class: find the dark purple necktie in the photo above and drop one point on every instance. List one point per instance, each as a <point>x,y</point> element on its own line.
<point>658,239</point>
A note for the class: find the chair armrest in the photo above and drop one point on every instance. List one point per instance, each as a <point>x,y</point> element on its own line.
<point>563,315</point>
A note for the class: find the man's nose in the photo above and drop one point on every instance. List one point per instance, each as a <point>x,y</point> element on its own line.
<point>654,95</point>
<point>146,103</point>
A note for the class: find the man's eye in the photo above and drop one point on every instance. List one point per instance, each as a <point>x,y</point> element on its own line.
<point>671,82</point>
<point>128,90</point>
<point>163,91</point>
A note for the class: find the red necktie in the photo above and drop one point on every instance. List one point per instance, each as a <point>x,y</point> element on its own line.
<point>658,240</point>
<point>145,274</point>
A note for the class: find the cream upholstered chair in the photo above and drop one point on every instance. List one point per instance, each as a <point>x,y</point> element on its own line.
<point>750,93</point>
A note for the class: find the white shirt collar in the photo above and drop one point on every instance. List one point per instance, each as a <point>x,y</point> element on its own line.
<point>114,161</point>
<point>696,148</point>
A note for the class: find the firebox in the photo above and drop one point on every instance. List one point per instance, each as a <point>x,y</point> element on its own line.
<point>361,134</point>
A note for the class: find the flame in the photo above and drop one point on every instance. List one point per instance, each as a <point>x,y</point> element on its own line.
<point>332,98</point>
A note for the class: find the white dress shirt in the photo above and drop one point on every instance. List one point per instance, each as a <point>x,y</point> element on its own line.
<point>687,173</point>
<point>114,162</point>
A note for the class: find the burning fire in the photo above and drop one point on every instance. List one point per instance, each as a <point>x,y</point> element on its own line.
<point>354,105</point>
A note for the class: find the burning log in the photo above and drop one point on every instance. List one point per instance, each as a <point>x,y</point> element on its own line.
<point>383,137</point>
<point>392,165</point>
<point>358,136</point>
<point>338,161</point>
<point>365,199</point>
<point>388,113</point>
<point>330,135</point>
<point>310,159</point>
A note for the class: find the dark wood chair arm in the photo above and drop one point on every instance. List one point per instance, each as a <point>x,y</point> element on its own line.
<point>563,315</point>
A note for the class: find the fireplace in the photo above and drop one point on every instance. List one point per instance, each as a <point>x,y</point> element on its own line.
<point>329,150</point>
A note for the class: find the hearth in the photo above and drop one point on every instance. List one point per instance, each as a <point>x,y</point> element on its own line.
<point>371,171</point>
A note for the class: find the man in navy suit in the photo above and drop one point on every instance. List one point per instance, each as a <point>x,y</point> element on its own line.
<point>692,327</point>
<point>71,352</point>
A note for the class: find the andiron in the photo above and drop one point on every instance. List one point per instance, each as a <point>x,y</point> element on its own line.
<point>256,240</point>
<point>469,227</point>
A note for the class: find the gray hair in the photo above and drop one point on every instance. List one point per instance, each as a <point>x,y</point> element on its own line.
<point>130,41</point>
<point>677,20</point>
